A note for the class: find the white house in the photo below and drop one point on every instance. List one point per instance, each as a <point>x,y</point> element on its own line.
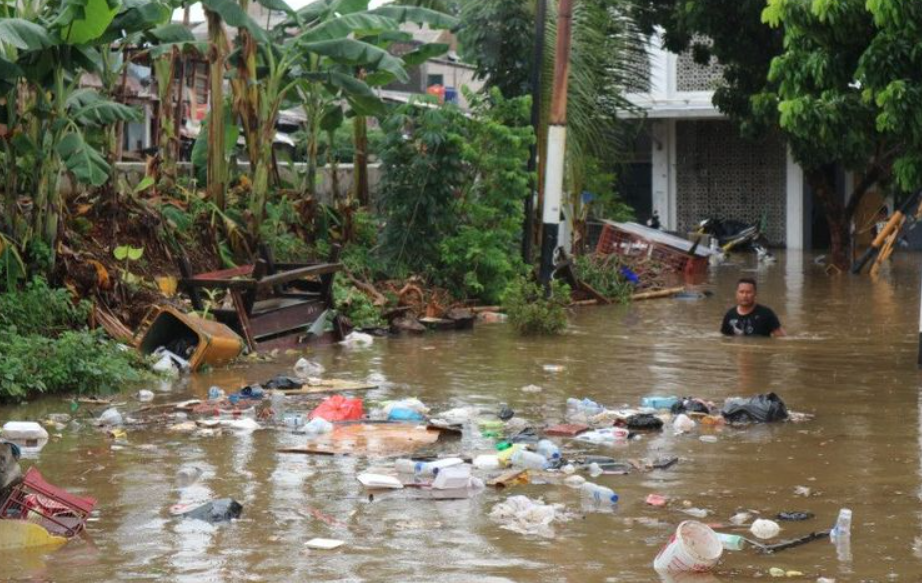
<point>690,162</point>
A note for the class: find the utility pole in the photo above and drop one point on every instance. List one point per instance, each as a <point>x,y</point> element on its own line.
<point>528,230</point>
<point>556,142</point>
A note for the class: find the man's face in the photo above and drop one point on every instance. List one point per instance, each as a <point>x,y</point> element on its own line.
<point>745,295</point>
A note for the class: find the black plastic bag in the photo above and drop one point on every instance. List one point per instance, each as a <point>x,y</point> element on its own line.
<point>215,511</point>
<point>283,383</point>
<point>690,405</point>
<point>758,409</point>
<point>644,422</point>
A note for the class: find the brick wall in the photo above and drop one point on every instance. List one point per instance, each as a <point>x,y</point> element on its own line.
<point>718,174</point>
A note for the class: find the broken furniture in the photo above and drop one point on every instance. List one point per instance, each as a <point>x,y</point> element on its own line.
<point>52,508</point>
<point>275,305</point>
<point>634,240</point>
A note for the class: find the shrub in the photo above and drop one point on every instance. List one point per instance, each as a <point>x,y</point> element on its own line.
<point>355,305</point>
<point>39,309</point>
<point>604,276</point>
<point>532,312</point>
<point>77,361</point>
<point>46,348</point>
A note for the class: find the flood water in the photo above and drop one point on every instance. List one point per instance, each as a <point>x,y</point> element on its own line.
<point>850,359</point>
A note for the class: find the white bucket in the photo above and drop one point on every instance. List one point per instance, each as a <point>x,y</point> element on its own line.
<point>693,547</point>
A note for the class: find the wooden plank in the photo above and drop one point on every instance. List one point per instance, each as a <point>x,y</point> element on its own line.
<point>294,274</point>
<point>329,386</point>
<point>285,319</point>
<point>508,478</point>
<point>229,284</point>
<point>660,293</point>
<point>244,319</point>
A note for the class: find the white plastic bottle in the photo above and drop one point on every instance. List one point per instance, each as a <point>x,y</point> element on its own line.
<point>599,494</point>
<point>549,450</point>
<point>529,460</point>
<point>428,469</point>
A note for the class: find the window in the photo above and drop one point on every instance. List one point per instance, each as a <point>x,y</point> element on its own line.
<point>435,80</point>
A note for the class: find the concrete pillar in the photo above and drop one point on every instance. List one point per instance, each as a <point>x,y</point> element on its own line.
<point>794,187</point>
<point>663,159</point>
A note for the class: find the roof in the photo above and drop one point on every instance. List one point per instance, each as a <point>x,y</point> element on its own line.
<point>661,237</point>
<point>423,34</point>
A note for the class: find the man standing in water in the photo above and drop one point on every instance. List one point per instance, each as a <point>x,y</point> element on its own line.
<point>749,318</point>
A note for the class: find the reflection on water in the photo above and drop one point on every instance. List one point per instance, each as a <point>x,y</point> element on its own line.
<point>849,359</point>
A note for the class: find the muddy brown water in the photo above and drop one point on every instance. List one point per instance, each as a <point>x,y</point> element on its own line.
<point>849,359</point>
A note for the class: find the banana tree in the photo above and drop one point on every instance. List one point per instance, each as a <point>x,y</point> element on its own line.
<point>52,123</point>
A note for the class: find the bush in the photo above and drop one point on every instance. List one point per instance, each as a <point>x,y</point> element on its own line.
<point>604,276</point>
<point>39,309</point>
<point>77,361</point>
<point>46,348</point>
<point>355,305</point>
<point>531,312</point>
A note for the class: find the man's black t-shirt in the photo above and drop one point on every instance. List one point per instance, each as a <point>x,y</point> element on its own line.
<point>761,321</point>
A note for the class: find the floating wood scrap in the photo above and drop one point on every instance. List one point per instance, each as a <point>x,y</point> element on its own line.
<point>370,439</point>
<point>328,386</point>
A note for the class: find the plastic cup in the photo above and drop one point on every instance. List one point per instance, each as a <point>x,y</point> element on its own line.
<point>693,547</point>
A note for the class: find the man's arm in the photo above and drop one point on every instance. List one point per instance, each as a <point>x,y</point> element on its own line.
<point>776,327</point>
<point>725,328</point>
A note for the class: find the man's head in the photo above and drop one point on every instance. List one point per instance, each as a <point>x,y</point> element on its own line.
<point>746,292</point>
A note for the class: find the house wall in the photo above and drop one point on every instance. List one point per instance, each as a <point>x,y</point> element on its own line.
<point>456,76</point>
<point>718,174</point>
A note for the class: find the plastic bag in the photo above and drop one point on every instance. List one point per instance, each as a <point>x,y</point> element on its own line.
<point>691,405</point>
<point>339,408</point>
<point>758,409</point>
<point>644,422</point>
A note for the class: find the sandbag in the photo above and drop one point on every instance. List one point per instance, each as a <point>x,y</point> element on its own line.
<point>758,409</point>
<point>339,408</point>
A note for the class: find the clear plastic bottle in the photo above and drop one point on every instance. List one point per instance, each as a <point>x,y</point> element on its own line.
<point>406,466</point>
<point>529,460</point>
<point>731,542</point>
<point>843,524</point>
<point>548,449</point>
<point>599,494</point>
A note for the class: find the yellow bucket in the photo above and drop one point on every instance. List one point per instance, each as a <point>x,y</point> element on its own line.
<point>215,343</point>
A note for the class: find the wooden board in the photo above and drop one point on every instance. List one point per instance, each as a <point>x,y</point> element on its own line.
<point>329,386</point>
<point>370,439</point>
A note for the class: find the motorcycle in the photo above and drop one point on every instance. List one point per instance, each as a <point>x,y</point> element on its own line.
<point>730,235</point>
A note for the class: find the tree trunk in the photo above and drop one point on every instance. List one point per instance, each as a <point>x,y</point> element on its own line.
<point>360,161</point>
<point>217,163</point>
<point>334,166</point>
<point>836,217</point>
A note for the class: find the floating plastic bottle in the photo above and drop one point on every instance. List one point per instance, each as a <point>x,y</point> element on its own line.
<point>600,494</point>
<point>428,469</point>
<point>731,542</point>
<point>548,449</point>
<point>529,460</point>
<point>841,535</point>
<point>586,407</point>
<point>659,402</point>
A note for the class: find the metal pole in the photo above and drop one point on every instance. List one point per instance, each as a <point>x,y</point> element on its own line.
<point>528,230</point>
<point>556,142</point>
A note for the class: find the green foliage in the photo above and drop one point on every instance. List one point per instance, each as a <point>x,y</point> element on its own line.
<point>423,174</point>
<point>276,231</point>
<point>532,312</point>
<point>604,276</point>
<point>452,193</point>
<point>77,361</point>
<point>46,348</point>
<point>356,306</point>
<point>41,310</point>
<point>605,203</point>
<point>481,257</point>
<point>498,38</point>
